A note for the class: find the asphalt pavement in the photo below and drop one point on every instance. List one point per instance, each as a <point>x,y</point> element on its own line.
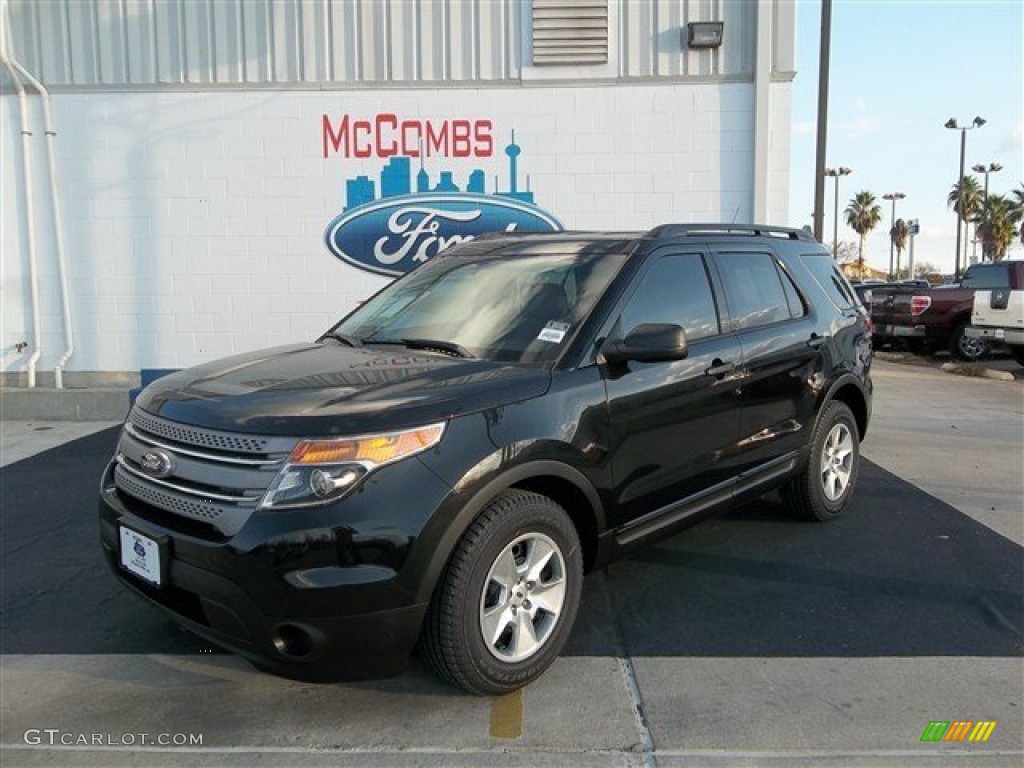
<point>750,639</point>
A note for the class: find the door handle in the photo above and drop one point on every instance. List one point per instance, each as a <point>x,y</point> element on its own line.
<point>816,341</point>
<point>718,368</point>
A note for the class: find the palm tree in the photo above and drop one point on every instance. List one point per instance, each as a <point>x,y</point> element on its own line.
<point>862,215</point>
<point>899,234</point>
<point>997,227</point>
<point>966,198</point>
<point>1018,206</point>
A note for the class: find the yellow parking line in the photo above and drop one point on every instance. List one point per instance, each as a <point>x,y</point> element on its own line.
<point>507,716</point>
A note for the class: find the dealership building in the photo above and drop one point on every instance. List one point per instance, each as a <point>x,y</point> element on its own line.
<point>187,179</point>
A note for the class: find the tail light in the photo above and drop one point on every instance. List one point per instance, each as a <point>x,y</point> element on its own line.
<point>919,304</point>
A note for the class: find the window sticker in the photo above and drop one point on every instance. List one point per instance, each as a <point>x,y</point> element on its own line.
<point>553,332</point>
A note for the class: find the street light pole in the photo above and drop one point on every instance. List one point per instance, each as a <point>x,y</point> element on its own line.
<point>952,124</point>
<point>819,157</point>
<point>982,168</point>
<point>990,168</point>
<point>894,196</point>
<point>836,173</point>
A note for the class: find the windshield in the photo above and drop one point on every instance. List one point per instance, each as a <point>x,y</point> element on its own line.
<point>510,308</point>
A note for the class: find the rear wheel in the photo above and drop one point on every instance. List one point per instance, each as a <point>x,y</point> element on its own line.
<point>823,490</point>
<point>507,601</point>
<point>1018,354</point>
<point>965,348</point>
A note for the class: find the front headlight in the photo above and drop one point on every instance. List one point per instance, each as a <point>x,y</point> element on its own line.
<point>319,471</point>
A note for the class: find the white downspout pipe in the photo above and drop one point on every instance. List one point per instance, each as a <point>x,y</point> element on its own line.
<point>26,155</point>
<point>762,111</point>
<point>58,223</point>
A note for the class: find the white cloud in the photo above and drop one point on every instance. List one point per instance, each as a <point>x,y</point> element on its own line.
<point>857,128</point>
<point>1014,141</point>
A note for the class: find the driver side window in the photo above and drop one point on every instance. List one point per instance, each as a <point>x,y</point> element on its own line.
<point>675,290</point>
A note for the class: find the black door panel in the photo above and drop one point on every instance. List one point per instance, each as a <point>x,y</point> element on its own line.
<point>673,427</point>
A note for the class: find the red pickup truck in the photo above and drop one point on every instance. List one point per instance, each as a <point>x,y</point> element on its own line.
<point>927,319</point>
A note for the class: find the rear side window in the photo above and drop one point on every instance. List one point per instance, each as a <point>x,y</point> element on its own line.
<point>987,277</point>
<point>826,274</point>
<point>758,292</point>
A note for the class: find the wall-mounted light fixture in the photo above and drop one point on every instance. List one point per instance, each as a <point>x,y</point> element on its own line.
<point>704,34</point>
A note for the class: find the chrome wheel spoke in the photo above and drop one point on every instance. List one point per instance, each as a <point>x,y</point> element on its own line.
<point>549,597</point>
<point>538,557</point>
<point>495,623</point>
<point>524,639</point>
<point>504,573</point>
<point>832,481</point>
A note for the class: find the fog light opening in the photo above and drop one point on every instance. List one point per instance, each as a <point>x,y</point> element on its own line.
<point>292,641</point>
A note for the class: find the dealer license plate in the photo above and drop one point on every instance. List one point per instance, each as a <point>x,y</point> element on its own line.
<point>140,555</point>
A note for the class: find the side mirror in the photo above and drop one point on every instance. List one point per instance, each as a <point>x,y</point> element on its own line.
<point>648,343</point>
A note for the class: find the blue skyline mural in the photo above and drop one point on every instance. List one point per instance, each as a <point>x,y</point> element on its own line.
<point>396,179</point>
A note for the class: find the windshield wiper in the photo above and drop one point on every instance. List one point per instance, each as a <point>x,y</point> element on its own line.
<point>430,345</point>
<point>350,341</point>
<point>448,347</point>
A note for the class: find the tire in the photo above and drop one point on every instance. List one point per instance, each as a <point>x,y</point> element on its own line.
<point>507,600</point>
<point>824,489</point>
<point>964,348</point>
<point>1018,354</point>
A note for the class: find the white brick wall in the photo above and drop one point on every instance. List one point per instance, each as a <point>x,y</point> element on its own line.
<point>194,222</point>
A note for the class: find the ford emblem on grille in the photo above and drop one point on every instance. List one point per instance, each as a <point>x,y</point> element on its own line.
<point>156,463</point>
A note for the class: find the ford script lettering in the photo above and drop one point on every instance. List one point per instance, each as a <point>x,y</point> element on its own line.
<point>394,235</point>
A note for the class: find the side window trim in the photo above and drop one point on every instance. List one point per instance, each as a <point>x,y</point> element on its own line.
<point>787,280</point>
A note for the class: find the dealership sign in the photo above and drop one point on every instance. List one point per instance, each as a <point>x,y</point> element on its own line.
<point>393,235</point>
<point>410,217</point>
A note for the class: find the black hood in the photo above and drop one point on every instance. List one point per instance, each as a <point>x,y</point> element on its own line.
<point>328,389</point>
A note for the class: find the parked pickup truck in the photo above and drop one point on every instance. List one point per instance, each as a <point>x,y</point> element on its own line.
<point>998,315</point>
<point>927,319</point>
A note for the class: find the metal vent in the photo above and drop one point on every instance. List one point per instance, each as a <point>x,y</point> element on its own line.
<point>570,32</point>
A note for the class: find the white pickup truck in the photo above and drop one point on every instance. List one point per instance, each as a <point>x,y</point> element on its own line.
<point>998,314</point>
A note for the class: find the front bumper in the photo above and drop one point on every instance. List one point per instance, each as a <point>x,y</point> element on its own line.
<point>314,594</point>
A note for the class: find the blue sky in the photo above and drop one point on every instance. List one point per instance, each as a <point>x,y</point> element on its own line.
<point>899,71</point>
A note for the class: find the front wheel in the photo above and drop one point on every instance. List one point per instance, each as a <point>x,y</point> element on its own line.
<point>507,601</point>
<point>823,490</point>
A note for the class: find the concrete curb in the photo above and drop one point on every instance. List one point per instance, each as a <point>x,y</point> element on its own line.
<point>977,371</point>
<point>46,404</point>
<point>974,370</point>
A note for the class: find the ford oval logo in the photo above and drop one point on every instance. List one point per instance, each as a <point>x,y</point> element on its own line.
<point>394,235</point>
<point>157,463</point>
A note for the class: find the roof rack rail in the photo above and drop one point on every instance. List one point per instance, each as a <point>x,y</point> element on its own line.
<point>752,230</point>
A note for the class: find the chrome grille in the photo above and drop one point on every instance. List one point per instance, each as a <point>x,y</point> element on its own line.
<point>217,478</point>
<point>167,500</point>
<point>196,435</point>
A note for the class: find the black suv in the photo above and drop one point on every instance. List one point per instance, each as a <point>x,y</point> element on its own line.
<point>444,464</point>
